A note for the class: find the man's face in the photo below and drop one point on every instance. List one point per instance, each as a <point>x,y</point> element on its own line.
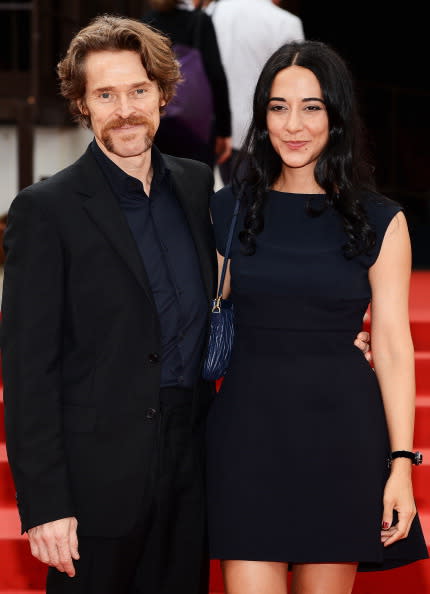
<point>123,104</point>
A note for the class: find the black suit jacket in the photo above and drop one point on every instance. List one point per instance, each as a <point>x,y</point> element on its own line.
<point>80,342</point>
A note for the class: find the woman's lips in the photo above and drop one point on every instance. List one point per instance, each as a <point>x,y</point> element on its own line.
<point>295,145</point>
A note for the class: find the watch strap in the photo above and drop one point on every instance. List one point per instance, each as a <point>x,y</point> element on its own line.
<point>415,457</point>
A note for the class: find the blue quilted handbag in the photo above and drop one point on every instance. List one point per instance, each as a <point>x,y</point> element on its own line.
<point>221,332</point>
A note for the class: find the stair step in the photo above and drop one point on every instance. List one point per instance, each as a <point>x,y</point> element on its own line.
<point>420,330</point>
<point>421,482</point>
<point>420,309</point>
<point>2,429</point>
<point>422,372</point>
<point>19,569</point>
<point>10,528</point>
<point>7,488</point>
<point>422,422</point>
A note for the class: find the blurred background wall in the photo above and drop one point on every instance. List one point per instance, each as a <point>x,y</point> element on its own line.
<point>387,49</point>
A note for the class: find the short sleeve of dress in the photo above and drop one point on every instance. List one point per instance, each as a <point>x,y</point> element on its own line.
<point>222,207</point>
<point>380,210</point>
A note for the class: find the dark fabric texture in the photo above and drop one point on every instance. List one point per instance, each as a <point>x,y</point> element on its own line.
<point>297,439</point>
<point>192,103</point>
<point>81,346</point>
<point>167,550</point>
<point>165,244</point>
<point>179,26</point>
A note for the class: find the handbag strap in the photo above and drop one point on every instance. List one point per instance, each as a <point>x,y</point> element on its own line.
<point>228,247</point>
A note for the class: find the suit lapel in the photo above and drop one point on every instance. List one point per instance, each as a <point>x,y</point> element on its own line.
<point>103,208</point>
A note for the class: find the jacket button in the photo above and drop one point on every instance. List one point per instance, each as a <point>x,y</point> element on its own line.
<point>150,413</point>
<point>153,357</point>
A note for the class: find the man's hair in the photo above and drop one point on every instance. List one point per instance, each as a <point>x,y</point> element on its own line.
<point>114,33</point>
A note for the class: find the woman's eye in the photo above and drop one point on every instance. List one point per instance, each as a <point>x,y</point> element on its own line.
<point>277,108</point>
<point>313,107</point>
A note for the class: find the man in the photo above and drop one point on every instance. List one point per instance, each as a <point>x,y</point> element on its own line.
<point>110,267</point>
<point>248,32</point>
<point>110,270</point>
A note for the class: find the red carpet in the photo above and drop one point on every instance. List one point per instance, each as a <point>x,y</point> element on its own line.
<point>21,574</point>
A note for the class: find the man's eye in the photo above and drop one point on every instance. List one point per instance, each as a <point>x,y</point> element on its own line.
<point>105,95</point>
<point>140,91</point>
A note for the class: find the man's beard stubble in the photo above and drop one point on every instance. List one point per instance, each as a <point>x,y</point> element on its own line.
<point>130,121</point>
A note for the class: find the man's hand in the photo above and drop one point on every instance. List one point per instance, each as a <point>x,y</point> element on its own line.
<point>362,341</point>
<point>56,543</point>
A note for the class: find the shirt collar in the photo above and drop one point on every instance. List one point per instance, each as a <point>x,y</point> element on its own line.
<point>121,181</point>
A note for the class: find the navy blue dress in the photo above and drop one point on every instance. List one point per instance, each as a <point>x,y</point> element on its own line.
<point>297,438</point>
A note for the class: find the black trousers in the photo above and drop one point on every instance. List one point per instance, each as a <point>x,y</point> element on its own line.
<point>167,551</point>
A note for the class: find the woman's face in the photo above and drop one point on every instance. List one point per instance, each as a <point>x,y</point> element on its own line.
<point>297,120</point>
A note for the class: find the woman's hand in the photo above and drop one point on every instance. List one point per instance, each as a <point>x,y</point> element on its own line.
<point>362,341</point>
<point>398,495</point>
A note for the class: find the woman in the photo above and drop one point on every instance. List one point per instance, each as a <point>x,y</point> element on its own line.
<point>301,431</point>
<point>186,25</point>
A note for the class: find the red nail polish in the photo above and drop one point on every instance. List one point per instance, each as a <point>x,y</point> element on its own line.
<point>385,525</point>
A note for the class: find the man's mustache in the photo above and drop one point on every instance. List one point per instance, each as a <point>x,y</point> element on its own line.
<point>130,121</point>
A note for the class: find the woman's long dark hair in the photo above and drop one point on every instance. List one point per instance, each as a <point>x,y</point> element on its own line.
<point>342,169</point>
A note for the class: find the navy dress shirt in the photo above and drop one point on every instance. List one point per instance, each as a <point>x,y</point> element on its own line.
<point>165,243</point>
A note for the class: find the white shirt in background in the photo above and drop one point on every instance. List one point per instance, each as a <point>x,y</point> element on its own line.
<point>248,32</point>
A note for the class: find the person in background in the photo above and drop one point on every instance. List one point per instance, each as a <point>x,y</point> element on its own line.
<point>248,32</point>
<point>110,268</point>
<point>179,19</point>
<point>3,222</point>
<point>309,449</point>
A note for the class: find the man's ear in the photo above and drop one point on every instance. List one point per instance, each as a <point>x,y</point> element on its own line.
<point>82,107</point>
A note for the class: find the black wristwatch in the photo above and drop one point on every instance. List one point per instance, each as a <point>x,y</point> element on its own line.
<point>415,457</point>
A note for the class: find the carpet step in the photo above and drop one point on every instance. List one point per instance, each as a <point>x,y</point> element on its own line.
<point>421,482</point>
<point>422,372</point>
<point>18,568</point>
<point>7,489</point>
<point>420,330</point>
<point>422,422</point>
<point>10,528</point>
<point>419,310</point>
<point>2,429</point>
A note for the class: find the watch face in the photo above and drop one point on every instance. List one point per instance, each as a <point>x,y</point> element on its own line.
<point>418,459</point>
